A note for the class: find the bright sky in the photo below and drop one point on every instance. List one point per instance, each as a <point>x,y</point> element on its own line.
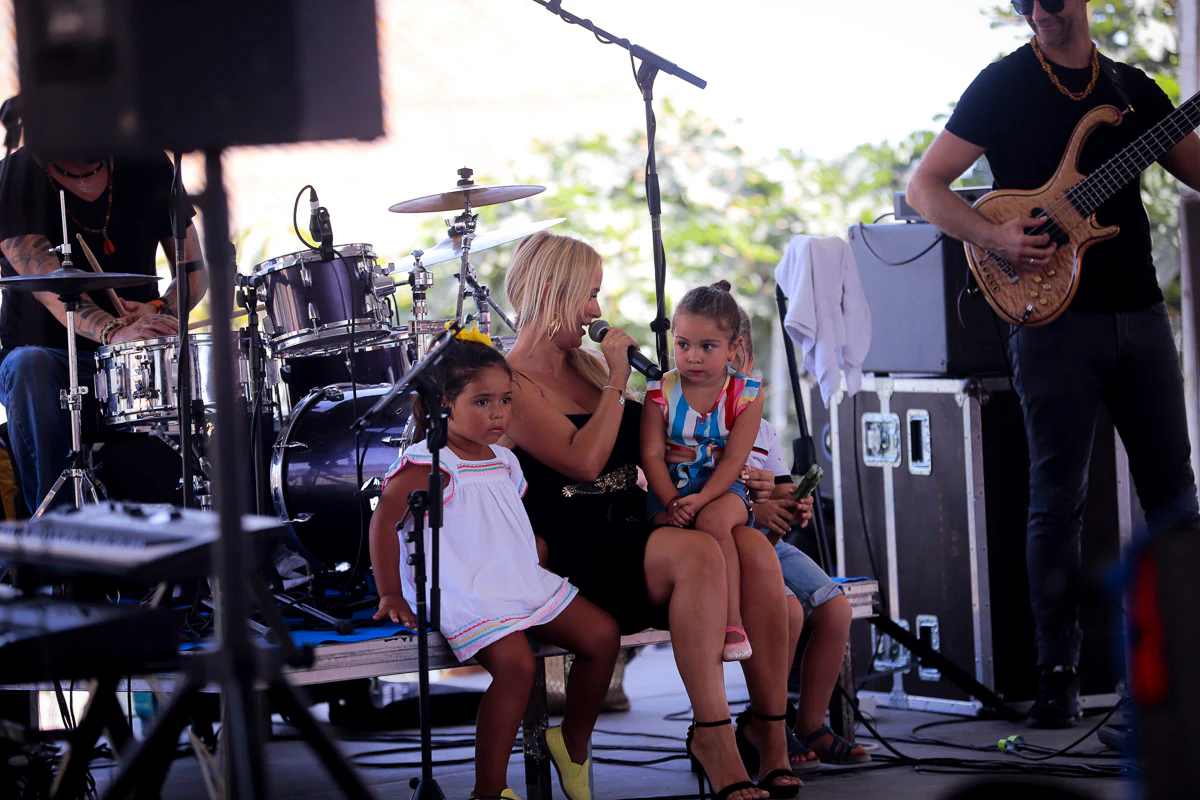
<point>801,74</point>
<point>475,82</point>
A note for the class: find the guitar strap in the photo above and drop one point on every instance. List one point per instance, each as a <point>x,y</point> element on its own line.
<point>1109,67</point>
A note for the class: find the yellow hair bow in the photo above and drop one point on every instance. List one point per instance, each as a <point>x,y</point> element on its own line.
<point>471,335</point>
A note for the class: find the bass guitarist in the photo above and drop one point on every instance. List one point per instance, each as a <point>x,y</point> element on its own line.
<point>1113,344</point>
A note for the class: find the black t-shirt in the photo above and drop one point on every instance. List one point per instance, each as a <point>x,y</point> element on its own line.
<point>1014,111</point>
<point>140,219</point>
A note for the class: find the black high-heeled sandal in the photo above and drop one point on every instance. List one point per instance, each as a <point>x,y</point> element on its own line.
<point>752,759</point>
<point>698,768</point>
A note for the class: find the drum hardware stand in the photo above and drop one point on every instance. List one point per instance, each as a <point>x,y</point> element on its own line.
<point>421,281</point>
<point>71,399</point>
<point>247,298</point>
<point>183,285</point>
<point>647,71</point>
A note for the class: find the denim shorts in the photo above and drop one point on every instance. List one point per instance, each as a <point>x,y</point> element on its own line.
<point>654,505</point>
<point>804,578</point>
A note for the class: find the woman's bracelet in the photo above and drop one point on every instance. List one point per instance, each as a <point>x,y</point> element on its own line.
<point>620,392</point>
<point>109,329</point>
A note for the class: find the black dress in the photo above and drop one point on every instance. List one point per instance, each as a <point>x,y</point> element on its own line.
<point>597,531</point>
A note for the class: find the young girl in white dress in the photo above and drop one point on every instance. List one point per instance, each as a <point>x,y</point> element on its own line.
<point>492,588</point>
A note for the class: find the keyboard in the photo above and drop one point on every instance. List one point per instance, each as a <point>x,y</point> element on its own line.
<point>132,541</point>
<point>48,638</point>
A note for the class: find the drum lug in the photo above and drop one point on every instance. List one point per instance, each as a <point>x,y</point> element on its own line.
<point>305,276</point>
<point>299,518</point>
<point>101,385</point>
<point>383,285</point>
<point>314,316</point>
<point>290,446</point>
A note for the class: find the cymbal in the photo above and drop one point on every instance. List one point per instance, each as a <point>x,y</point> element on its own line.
<point>455,200</point>
<point>451,248</point>
<point>67,281</point>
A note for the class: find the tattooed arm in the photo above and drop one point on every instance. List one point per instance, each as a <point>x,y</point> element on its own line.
<point>197,281</point>
<point>31,255</point>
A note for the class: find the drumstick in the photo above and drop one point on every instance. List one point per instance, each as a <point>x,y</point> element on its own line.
<point>112,294</point>
<point>204,323</point>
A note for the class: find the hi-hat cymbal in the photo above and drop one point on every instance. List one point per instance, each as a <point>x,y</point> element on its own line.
<point>451,248</point>
<point>455,200</point>
<point>68,281</point>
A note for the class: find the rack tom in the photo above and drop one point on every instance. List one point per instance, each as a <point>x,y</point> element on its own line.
<point>315,306</point>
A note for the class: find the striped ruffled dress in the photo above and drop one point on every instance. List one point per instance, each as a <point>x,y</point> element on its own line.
<point>491,583</point>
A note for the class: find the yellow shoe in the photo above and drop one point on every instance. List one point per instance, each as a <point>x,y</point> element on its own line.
<point>576,779</point>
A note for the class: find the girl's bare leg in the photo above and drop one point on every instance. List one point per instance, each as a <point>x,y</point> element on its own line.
<point>510,663</point>
<point>593,637</point>
<point>718,519</point>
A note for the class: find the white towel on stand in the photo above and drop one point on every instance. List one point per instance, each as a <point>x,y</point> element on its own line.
<point>828,317</point>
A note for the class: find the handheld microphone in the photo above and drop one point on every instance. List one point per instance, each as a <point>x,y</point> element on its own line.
<point>599,329</point>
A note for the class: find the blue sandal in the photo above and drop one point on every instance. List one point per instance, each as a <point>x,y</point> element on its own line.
<point>798,748</point>
<point>840,750</point>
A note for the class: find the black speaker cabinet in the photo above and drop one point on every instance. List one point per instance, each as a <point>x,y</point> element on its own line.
<point>923,320</point>
<point>935,471</point>
<point>127,76</point>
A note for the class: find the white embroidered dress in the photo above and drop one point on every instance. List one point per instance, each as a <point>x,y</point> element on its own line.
<point>491,583</point>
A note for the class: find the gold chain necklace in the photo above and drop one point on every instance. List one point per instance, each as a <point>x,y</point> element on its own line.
<point>1076,96</point>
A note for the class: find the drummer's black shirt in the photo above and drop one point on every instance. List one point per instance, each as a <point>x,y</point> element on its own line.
<point>140,219</point>
<point>1014,111</point>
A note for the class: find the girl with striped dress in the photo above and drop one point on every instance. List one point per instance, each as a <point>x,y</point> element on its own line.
<point>492,588</point>
<point>705,407</point>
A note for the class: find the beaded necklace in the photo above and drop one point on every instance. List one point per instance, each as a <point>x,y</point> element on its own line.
<point>1076,96</point>
<point>109,247</point>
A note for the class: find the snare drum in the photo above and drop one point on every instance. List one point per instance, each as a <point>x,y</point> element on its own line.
<point>383,362</point>
<point>315,306</point>
<point>137,382</point>
<point>314,471</point>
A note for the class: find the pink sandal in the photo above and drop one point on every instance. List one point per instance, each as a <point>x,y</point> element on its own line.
<point>737,651</point>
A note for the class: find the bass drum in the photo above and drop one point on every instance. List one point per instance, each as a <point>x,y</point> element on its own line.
<point>315,472</point>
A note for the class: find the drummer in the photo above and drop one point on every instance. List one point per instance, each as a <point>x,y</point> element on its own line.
<point>121,208</point>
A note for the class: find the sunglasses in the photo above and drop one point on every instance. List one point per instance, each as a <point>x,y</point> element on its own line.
<point>1025,7</point>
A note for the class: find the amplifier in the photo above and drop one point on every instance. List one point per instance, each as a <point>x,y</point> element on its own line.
<point>923,320</point>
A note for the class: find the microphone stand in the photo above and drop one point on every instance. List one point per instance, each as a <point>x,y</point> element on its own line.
<point>651,65</point>
<point>432,357</point>
<point>422,502</point>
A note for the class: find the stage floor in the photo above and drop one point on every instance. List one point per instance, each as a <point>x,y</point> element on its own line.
<point>655,691</point>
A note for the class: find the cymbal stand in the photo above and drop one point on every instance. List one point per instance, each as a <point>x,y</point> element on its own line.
<point>485,304</point>
<point>71,399</point>
<point>463,226</point>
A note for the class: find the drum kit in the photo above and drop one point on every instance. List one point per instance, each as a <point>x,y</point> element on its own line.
<point>328,349</point>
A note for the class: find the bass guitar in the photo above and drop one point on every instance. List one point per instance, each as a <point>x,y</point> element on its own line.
<point>1066,206</point>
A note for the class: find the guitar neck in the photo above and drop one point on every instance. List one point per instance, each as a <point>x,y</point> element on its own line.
<point>1092,192</point>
